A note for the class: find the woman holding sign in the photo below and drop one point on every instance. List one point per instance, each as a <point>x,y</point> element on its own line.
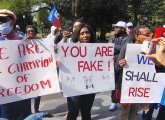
<point>82,34</point>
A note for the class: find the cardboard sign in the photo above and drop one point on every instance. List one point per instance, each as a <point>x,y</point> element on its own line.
<point>140,83</point>
<point>27,69</point>
<point>86,68</point>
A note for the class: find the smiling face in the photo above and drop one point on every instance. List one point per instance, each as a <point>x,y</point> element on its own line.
<point>85,35</point>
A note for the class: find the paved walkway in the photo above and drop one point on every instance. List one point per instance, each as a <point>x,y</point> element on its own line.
<point>100,111</point>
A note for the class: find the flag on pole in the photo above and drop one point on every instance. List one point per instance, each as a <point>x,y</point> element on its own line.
<point>53,18</point>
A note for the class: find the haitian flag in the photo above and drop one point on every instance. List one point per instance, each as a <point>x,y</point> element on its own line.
<point>53,18</point>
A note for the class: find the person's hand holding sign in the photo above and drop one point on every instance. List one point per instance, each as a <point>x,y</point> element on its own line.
<point>28,37</point>
<point>122,62</point>
<point>159,57</point>
<point>58,63</point>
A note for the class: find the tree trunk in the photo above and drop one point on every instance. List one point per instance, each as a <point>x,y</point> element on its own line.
<point>136,6</point>
<point>103,30</point>
<point>75,8</point>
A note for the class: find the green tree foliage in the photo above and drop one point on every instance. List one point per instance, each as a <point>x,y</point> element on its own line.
<point>149,12</point>
<point>16,6</point>
<point>101,14</point>
<point>21,8</point>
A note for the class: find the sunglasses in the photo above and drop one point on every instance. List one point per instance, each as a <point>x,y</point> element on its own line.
<point>5,19</point>
<point>147,34</point>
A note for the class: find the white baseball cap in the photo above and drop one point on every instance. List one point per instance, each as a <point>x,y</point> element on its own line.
<point>129,24</point>
<point>120,24</point>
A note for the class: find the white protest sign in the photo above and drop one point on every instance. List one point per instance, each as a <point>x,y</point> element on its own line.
<point>27,69</point>
<point>86,68</point>
<point>140,83</point>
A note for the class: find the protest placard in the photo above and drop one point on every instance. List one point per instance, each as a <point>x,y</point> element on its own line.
<point>86,68</point>
<point>27,69</point>
<point>140,83</point>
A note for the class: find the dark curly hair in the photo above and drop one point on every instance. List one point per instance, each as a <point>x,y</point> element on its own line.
<point>76,33</point>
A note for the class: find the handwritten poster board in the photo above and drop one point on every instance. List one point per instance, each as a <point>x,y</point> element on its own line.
<point>27,69</point>
<point>86,68</point>
<point>141,83</point>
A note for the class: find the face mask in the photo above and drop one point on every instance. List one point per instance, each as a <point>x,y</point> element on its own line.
<point>5,28</point>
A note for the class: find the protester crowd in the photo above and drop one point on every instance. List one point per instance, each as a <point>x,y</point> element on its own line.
<point>80,32</point>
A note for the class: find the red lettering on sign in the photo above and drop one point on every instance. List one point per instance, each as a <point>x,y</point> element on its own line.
<point>65,50</point>
<point>90,66</point>
<point>29,65</point>
<point>75,51</point>
<point>34,87</point>
<point>138,92</point>
<point>29,48</point>
<point>2,92</point>
<point>104,51</point>
<point>2,53</point>
<point>26,89</point>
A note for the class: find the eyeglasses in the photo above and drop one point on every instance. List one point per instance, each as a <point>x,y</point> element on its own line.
<point>5,19</point>
<point>147,34</point>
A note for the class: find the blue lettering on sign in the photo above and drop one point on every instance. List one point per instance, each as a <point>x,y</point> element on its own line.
<point>143,60</point>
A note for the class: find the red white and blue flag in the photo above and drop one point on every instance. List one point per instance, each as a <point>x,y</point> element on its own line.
<point>53,18</point>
